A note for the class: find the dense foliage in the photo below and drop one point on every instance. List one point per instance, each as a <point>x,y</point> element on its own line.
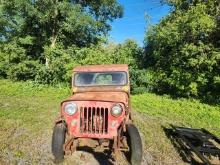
<point>183,50</point>
<point>43,40</point>
<point>35,34</point>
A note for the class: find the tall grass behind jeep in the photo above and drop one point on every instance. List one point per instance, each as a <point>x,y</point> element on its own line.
<point>98,114</point>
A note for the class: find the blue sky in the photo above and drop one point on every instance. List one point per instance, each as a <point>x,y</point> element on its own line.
<point>133,24</point>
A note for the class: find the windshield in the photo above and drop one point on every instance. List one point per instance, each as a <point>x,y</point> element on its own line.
<point>100,78</point>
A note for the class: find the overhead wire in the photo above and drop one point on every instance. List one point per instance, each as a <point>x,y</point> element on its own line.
<point>136,5</point>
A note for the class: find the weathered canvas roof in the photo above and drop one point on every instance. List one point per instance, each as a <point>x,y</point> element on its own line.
<point>101,68</point>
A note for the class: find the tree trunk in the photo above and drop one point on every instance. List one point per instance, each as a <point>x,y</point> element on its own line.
<point>54,33</point>
<point>47,62</point>
<point>52,46</point>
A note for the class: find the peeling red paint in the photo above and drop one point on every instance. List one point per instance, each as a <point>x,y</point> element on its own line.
<point>93,118</point>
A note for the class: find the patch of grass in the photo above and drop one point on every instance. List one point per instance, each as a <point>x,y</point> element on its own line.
<point>181,112</point>
<point>30,105</point>
<point>29,88</point>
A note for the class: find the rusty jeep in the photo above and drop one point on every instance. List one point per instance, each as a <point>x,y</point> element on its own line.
<point>98,114</point>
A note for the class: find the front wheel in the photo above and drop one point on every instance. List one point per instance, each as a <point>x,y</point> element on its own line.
<point>135,145</point>
<point>58,139</point>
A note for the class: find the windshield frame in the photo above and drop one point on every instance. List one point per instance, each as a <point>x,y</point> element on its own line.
<point>84,86</point>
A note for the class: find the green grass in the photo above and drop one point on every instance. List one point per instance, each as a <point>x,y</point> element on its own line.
<point>181,112</point>
<point>28,111</point>
<point>29,105</point>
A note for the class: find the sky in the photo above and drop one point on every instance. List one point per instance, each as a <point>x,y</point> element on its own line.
<point>133,24</point>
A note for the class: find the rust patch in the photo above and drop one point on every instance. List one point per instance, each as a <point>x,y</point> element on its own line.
<point>101,68</point>
<point>100,96</point>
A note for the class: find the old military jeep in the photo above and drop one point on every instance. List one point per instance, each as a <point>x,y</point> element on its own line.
<point>98,114</point>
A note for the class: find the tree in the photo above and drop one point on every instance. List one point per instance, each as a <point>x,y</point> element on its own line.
<point>38,26</point>
<point>183,50</point>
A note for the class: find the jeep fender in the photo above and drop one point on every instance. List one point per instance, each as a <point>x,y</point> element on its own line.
<point>60,120</point>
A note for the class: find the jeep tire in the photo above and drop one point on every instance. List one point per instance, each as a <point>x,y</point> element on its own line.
<point>58,139</point>
<point>135,145</point>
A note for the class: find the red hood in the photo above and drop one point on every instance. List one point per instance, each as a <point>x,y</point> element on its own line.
<point>100,96</point>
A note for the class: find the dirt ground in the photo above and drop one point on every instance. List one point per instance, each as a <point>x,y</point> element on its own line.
<point>38,151</point>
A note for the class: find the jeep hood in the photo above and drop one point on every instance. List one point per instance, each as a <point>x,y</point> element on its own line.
<point>100,96</point>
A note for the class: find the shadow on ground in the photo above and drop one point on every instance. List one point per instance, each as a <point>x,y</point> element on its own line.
<point>184,152</point>
<point>103,157</point>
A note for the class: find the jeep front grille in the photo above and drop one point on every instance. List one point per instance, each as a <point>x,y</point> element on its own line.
<point>94,120</point>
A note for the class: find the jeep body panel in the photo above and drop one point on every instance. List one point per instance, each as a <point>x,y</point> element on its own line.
<point>102,68</point>
<point>120,97</point>
<point>95,104</point>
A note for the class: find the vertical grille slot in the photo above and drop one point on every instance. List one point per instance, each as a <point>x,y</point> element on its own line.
<point>94,120</point>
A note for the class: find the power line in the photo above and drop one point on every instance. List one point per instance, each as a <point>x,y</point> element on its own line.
<point>132,17</point>
<point>131,24</point>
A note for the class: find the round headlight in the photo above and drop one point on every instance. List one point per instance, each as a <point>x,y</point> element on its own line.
<point>116,110</point>
<point>70,108</point>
